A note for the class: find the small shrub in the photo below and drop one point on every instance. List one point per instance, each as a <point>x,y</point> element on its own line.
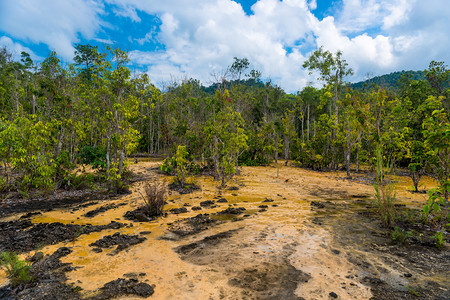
<point>384,193</point>
<point>168,165</point>
<point>79,182</point>
<point>154,197</point>
<point>94,156</point>
<point>435,199</point>
<point>400,235</point>
<point>18,271</point>
<point>439,238</point>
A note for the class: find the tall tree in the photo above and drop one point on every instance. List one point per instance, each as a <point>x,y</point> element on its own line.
<point>333,69</point>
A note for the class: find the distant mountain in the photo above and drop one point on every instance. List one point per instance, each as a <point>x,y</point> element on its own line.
<point>388,80</point>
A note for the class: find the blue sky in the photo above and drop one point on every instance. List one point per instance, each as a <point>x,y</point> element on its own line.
<point>177,39</point>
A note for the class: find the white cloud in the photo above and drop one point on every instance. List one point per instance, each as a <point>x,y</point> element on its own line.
<point>403,34</point>
<point>16,49</point>
<point>201,37</point>
<point>104,41</point>
<point>56,23</point>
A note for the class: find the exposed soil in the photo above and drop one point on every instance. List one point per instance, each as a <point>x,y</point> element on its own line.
<point>23,236</point>
<point>300,235</point>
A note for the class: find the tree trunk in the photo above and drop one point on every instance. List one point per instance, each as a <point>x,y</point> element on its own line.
<point>108,153</point>
<point>307,124</point>
<point>33,104</point>
<point>357,158</point>
<point>121,159</point>
<point>347,158</point>
<point>303,131</point>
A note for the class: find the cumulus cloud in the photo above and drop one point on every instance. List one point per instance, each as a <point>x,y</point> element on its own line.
<point>59,24</point>
<point>376,36</point>
<point>392,35</point>
<point>201,37</point>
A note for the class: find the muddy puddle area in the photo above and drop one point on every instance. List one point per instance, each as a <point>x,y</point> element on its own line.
<point>301,235</point>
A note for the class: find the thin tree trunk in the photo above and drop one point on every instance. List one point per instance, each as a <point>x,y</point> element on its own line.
<point>357,158</point>
<point>307,124</point>
<point>121,159</point>
<point>108,153</point>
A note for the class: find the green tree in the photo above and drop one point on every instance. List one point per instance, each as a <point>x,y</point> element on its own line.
<point>227,140</point>
<point>333,69</point>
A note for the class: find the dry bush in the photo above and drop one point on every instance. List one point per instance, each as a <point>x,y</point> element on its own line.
<point>154,198</point>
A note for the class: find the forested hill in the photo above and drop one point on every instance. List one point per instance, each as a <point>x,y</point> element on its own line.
<point>389,80</point>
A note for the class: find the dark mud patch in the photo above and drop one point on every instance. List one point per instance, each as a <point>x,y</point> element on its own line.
<point>30,215</point>
<point>57,199</point>
<point>187,189</point>
<point>233,188</point>
<point>192,225</point>
<point>48,280</point>
<point>123,241</point>
<point>23,236</point>
<point>180,210</point>
<point>102,209</point>
<point>232,211</point>
<point>270,280</point>
<point>316,204</point>
<point>195,250</point>
<point>140,214</point>
<point>266,200</point>
<point>207,203</point>
<point>123,287</point>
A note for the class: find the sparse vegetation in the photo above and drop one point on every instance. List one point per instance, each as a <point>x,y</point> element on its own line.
<point>17,270</point>
<point>154,198</point>
<point>439,238</point>
<point>400,235</point>
<point>384,193</point>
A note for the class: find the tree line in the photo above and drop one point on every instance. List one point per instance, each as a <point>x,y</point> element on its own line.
<point>54,117</point>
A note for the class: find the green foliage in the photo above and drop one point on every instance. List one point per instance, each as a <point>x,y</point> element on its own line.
<point>435,200</point>
<point>227,140</point>
<point>439,239</point>
<point>400,235</point>
<point>181,160</point>
<point>253,158</point>
<point>81,181</point>
<point>168,165</point>
<point>97,112</point>
<point>94,156</point>
<point>17,270</point>
<point>384,193</point>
